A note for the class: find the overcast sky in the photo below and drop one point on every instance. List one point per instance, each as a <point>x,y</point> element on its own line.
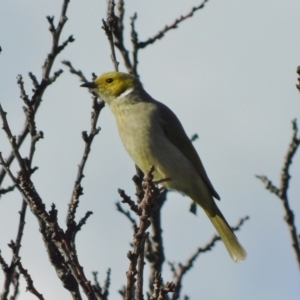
<point>228,74</point>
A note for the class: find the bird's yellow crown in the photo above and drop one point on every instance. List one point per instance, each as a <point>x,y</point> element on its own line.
<point>113,84</point>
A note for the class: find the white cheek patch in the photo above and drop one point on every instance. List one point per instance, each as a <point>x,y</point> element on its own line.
<point>126,93</point>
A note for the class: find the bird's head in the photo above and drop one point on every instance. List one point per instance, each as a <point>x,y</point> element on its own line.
<point>114,86</point>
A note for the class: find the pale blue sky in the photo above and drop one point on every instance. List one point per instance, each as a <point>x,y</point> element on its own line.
<point>229,75</point>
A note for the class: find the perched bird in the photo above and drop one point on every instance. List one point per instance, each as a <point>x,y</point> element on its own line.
<point>153,136</point>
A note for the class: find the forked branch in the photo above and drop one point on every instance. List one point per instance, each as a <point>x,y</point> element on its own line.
<point>282,191</point>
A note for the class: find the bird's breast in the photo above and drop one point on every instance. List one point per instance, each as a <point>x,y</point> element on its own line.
<point>143,137</point>
<point>139,133</point>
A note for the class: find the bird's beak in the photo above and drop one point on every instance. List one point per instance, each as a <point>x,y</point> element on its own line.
<point>90,85</point>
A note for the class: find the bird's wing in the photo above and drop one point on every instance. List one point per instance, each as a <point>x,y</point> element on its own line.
<point>176,134</point>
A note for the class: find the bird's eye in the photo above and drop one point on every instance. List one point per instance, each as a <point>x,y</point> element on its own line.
<point>109,80</point>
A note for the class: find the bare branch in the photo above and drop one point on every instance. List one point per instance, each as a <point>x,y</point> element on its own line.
<point>23,95</point>
<point>15,283</point>
<point>34,80</point>
<point>98,105</point>
<point>56,32</point>
<point>154,246</point>
<point>140,271</point>
<point>157,283</point>
<point>181,270</point>
<point>298,85</point>
<point>194,137</point>
<point>121,12</point>
<point>7,277</point>
<point>144,211</point>
<point>12,140</point>
<point>281,192</point>
<point>268,184</point>
<point>135,44</point>
<point>159,291</point>
<point>30,116</point>
<point>127,214</point>
<point>35,136</point>
<point>65,43</point>
<point>79,73</point>
<point>74,71</point>
<point>83,221</point>
<point>108,26</point>
<point>102,293</point>
<point>4,265</point>
<point>118,32</point>
<point>169,288</point>
<point>40,88</point>
<point>17,259</point>
<point>126,199</point>
<point>78,191</point>
<point>88,139</point>
<point>7,190</point>
<point>21,227</point>
<point>56,74</point>
<point>285,175</point>
<point>54,237</point>
<point>174,25</point>
<point>138,181</point>
<point>7,169</point>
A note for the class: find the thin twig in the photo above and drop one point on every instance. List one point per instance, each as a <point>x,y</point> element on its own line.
<point>108,26</point>
<point>78,191</point>
<point>16,284</point>
<point>83,79</point>
<point>3,264</point>
<point>182,269</point>
<point>127,214</point>
<point>21,226</point>
<point>121,12</point>
<point>102,293</point>
<point>72,70</point>
<point>7,190</point>
<point>35,136</point>
<point>154,246</point>
<point>83,221</point>
<point>269,185</point>
<point>118,32</point>
<point>138,182</point>
<point>46,79</point>
<point>298,85</point>
<point>135,44</point>
<point>157,283</point>
<point>17,259</point>
<point>169,288</point>
<point>126,199</point>
<point>194,137</point>
<point>144,211</point>
<point>48,225</point>
<point>282,192</point>
<point>174,25</point>
<point>88,139</point>
<point>140,271</point>
<point>159,291</point>
<point>12,140</point>
<point>98,105</point>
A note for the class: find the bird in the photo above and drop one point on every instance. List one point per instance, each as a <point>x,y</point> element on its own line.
<point>153,136</point>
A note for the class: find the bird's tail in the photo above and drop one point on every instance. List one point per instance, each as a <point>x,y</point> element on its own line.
<point>235,249</point>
